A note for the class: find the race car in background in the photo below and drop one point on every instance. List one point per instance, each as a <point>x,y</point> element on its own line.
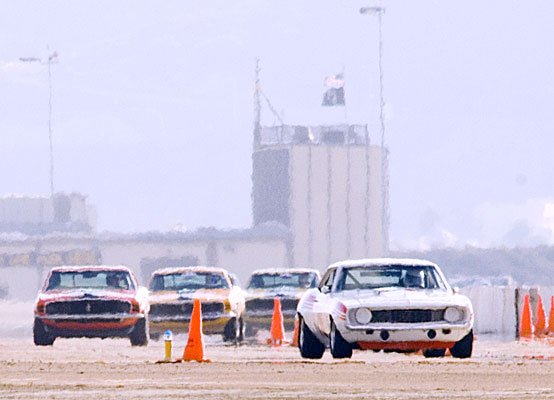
<point>93,301</point>
<point>172,292</point>
<point>390,304</point>
<point>265,285</point>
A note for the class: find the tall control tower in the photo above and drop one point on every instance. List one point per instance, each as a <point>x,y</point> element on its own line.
<point>325,183</point>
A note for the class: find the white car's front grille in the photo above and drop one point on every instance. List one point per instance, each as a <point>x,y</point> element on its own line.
<point>406,316</point>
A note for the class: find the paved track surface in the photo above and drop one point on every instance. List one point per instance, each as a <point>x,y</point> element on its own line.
<point>112,369</point>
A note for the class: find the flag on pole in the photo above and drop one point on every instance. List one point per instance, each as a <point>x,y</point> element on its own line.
<point>334,96</point>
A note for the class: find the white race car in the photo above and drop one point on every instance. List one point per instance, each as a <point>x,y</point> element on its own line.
<point>392,304</point>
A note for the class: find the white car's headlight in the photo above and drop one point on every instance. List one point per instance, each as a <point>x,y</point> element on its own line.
<point>453,314</point>
<point>363,316</point>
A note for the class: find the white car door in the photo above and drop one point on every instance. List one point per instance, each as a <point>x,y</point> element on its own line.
<point>323,303</point>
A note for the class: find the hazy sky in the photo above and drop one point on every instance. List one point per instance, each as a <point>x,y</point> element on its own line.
<point>153,107</point>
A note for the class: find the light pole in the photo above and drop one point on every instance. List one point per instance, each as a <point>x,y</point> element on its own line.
<point>379,11</point>
<point>52,59</point>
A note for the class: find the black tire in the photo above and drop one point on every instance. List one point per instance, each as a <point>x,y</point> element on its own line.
<point>464,347</point>
<point>434,353</point>
<point>242,328</point>
<point>141,333</point>
<point>250,331</point>
<point>231,332</point>
<point>40,336</point>
<point>308,343</point>
<point>339,347</point>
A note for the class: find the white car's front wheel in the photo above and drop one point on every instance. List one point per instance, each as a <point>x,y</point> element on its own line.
<point>340,348</point>
<point>464,347</point>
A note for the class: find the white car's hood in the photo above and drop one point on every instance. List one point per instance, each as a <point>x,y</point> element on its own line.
<point>401,298</point>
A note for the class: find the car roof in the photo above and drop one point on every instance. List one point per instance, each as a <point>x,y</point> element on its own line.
<point>378,262</point>
<point>196,268</point>
<point>280,271</point>
<point>80,268</point>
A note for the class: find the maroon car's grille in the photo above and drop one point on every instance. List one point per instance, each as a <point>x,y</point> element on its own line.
<point>184,309</point>
<point>88,307</point>
<point>407,316</point>
<point>267,304</point>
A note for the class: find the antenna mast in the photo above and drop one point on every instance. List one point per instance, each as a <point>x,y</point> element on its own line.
<point>257,107</point>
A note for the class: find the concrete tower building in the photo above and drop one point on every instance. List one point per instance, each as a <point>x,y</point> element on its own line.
<point>328,185</point>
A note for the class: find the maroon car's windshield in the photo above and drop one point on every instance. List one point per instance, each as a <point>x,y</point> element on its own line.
<point>103,279</point>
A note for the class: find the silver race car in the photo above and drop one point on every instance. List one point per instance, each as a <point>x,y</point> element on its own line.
<point>399,305</point>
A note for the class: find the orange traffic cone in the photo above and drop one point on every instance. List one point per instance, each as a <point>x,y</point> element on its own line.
<point>550,329</point>
<point>294,341</point>
<point>277,329</point>
<point>540,323</point>
<point>194,351</point>
<point>525,328</point>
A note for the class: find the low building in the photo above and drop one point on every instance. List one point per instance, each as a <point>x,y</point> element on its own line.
<point>39,215</point>
<point>25,260</point>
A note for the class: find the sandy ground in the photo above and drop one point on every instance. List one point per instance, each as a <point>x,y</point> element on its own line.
<point>112,369</point>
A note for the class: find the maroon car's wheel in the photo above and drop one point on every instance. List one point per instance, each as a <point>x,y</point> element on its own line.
<point>40,336</point>
<point>140,334</point>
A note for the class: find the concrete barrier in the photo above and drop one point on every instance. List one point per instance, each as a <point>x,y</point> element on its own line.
<point>498,308</point>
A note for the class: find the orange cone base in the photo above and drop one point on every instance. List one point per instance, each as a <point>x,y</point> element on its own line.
<point>180,360</point>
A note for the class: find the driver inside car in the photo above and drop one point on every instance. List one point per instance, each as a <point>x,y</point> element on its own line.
<point>414,279</point>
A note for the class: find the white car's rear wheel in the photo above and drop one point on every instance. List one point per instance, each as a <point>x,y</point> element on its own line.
<point>308,343</point>
<point>340,348</point>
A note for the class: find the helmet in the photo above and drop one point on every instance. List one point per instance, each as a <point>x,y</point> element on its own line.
<point>414,278</point>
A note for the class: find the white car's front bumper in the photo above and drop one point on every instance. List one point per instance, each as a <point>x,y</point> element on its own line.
<point>404,336</point>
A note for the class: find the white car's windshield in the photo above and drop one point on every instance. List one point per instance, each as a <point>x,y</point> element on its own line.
<point>377,277</point>
<point>90,279</point>
<point>302,280</point>
<point>189,280</point>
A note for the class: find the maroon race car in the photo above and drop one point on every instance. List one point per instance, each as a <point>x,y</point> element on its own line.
<point>92,301</point>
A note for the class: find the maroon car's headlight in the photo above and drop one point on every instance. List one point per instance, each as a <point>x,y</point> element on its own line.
<point>40,308</point>
<point>135,308</point>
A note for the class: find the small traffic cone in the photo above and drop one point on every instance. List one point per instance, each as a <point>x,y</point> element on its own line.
<point>294,341</point>
<point>540,323</point>
<point>194,351</point>
<point>525,328</point>
<point>550,329</point>
<point>277,328</point>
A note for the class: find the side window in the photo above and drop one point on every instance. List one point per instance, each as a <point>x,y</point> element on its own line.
<point>327,281</point>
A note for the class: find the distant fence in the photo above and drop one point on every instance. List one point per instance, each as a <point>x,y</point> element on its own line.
<point>498,309</point>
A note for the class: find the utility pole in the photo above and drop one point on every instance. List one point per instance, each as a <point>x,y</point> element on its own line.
<point>52,59</point>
